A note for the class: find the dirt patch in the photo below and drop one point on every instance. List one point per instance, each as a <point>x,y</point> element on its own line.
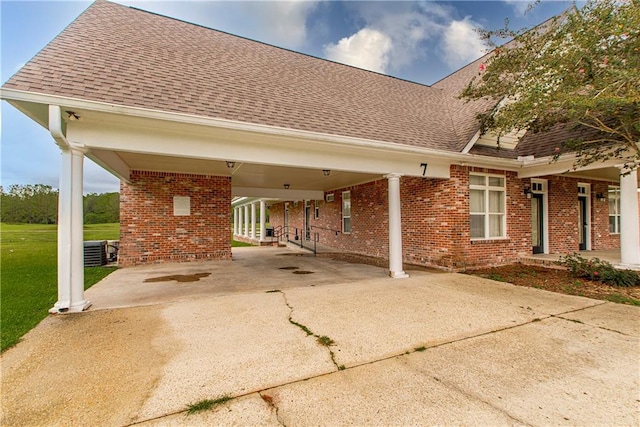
<point>303,272</point>
<point>558,280</point>
<point>182,278</point>
<point>288,268</point>
<point>94,368</point>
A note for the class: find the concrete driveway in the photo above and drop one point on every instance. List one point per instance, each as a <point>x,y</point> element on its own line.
<point>437,348</point>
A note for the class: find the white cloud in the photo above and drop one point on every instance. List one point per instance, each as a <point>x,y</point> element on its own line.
<point>368,49</point>
<point>408,25</point>
<point>520,7</point>
<point>461,44</point>
<point>283,23</point>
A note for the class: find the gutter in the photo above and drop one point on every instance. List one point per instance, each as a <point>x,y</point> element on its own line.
<point>73,103</point>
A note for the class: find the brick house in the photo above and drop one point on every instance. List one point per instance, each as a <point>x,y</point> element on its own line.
<point>194,121</point>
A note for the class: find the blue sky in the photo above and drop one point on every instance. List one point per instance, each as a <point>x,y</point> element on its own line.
<point>419,41</point>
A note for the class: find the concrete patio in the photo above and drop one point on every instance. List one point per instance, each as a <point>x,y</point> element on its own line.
<point>436,348</point>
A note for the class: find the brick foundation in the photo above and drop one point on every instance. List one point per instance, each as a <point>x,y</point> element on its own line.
<point>151,233</point>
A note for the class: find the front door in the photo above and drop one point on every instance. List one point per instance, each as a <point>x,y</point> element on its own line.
<point>582,222</point>
<point>537,223</point>
<point>286,220</point>
<point>307,217</point>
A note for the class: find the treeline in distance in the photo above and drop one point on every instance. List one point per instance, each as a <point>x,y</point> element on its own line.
<point>38,204</point>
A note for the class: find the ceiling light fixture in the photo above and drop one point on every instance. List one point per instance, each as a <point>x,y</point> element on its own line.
<point>326,172</point>
<point>286,186</point>
<point>231,165</point>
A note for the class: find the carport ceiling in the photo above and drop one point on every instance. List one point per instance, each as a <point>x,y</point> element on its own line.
<point>249,175</point>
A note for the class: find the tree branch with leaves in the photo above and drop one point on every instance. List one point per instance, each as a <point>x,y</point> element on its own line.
<point>580,70</point>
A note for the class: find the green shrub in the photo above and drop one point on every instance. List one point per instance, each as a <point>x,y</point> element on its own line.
<point>600,270</point>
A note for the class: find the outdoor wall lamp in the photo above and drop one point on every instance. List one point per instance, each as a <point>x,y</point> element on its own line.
<point>231,165</point>
<point>72,116</point>
<point>326,172</point>
<point>527,192</point>
<point>600,197</point>
<point>286,186</point>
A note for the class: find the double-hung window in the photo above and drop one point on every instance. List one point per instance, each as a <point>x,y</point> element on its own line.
<point>346,211</point>
<point>614,210</point>
<point>487,206</point>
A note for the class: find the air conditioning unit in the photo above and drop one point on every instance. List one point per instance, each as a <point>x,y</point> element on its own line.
<point>95,253</point>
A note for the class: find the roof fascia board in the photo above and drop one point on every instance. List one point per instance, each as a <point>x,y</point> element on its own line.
<point>471,142</point>
<point>564,164</point>
<point>17,95</point>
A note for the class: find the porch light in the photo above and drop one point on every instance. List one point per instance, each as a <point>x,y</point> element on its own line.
<point>601,197</point>
<point>231,165</point>
<point>286,186</point>
<point>326,172</point>
<point>72,116</point>
<point>527,192</point>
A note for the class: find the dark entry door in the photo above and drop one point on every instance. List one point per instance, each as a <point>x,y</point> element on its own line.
<point>307,217</point>
<point>582,222</point>
<point>537,223</point>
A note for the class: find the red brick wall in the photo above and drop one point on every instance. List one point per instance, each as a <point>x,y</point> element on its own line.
<point>563,216</point>
<point>435,220</point>
<point>149,231</point>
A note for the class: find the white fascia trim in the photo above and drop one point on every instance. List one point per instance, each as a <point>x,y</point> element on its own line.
<point>471,143</point>
<point>18,95</point>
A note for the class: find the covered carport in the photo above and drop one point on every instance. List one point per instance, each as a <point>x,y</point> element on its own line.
<point>258,160</point>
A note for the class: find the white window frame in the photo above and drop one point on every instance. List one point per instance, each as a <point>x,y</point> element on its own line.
<point>348,194</point>
<point>613,192</point>
<point>486,188</point>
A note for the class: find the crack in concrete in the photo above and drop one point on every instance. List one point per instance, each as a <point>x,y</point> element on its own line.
<point>272,405</point>
<point>559,316</point>
<point>398,356</point>
<point>470,395</point>
<point>323,340</point>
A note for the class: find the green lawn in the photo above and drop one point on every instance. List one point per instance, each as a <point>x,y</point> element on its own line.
<point>28,268</point>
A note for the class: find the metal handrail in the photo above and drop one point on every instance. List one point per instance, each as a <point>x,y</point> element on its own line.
<point>325,228</point>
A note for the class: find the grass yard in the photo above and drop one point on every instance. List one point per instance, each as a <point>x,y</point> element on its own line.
<point>28,281</point>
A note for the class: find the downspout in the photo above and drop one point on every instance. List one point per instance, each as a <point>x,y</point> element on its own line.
<point>64,214</point>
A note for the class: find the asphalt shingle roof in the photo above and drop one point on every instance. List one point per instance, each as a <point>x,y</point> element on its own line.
<point>124,56</point>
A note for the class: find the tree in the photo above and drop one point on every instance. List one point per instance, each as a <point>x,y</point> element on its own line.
<point>580,70</point>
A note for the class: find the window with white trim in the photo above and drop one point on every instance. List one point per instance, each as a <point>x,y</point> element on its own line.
<point>346,212</point>
<point>614,210</point>
<point>487,206</point>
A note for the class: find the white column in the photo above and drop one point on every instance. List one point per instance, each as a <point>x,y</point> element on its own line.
<point>246,220</point>
<point>629,219</point>
<point>235,221</point>
<point>240,220</point>
<point>263,221</point>
<point>395,228</point>
<point>253,220</point>
<point>70,235</point>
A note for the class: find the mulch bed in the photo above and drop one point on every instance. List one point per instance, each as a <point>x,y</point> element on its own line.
<point>556,280</point>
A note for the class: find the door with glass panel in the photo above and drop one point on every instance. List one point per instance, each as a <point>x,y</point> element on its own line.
<point>582,223</point>
<point>537,223</point>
